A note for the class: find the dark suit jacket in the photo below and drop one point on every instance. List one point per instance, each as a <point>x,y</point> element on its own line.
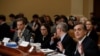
<point>94,36</point>
<point>46,42</point>
<point>68,43</point>
<point>90,48</point>
<point>26,34</point>
<point>37,31</point>
<point>4,31</point>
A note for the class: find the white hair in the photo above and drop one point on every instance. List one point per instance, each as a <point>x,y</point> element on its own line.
<point>83,19</point>
<point>63,26</point>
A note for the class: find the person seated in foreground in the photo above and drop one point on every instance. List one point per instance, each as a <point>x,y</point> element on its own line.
<point>22,33</point>
<point>61,41</point>
<point>85,45</point>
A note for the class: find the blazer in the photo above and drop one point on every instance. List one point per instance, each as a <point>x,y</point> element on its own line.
<point>37,31</point>
<point>94,36</point>
<point>46,42</point>
<point>68,44</point>
<point>4,31</point>
<point>90,48</point>
<point>26,34</point>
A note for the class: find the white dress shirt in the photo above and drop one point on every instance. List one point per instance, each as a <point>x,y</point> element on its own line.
<point>80,42</point>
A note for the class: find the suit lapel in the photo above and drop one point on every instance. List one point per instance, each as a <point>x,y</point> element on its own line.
<point>25,32</point>
<point>65,37</point>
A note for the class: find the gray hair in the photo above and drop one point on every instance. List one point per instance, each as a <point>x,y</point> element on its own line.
<point>63,26</point>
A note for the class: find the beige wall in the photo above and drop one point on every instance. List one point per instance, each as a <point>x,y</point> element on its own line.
<point>81,7</point>
<point>77,7</point>
<point>30,7</point>
<point>50,7</point>
<point>87,8</point>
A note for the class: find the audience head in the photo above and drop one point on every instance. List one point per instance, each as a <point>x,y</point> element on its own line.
<point>2,18</point>
<point>80,31</point>
<point>89,25</point>
<point>57,19</point>
<point>26,20</point>
<point>72,18</point>
<point>48,20</point>
<point>92,14</point>
<point>61,28</point>
<point>20,15</point>
<point>35,17</point>
<point>41,20</point>
<point>83,19</point>
<point>45,29</point>
<point>56,16</point>
<point>63,18</point>
<point>12,17</point>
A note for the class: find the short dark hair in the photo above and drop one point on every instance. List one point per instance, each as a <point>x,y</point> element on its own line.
<point>20,15</point>
<point>2,17</point>
<point>47,27</point>
<point>57,18</point>
<point>35,16</point>
<point>65,18</point>
<point>26,20</point>
<point>90,22</point>
<point>79,23</point>
<point>22,19</point>
<point>12,15</point>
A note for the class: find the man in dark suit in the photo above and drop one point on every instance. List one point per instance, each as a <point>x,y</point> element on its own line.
<point>22,33</point>
<point>86,46</point>
<point>65,41</point>
<point>4,28</point>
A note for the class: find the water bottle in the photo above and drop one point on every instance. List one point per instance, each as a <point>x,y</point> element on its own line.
<point>31,40</point>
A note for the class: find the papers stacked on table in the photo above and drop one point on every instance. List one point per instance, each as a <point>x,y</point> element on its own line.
<point>55,54</point>
<point>47,50</point>
<point>50,52</point>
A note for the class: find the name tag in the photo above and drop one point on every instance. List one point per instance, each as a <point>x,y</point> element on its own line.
<point>24,43</point>
<point>6,40</point>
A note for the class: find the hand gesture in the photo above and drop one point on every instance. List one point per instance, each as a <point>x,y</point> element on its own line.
<point>53,37</point>
<point>60,46</point>
<point>19,33</point>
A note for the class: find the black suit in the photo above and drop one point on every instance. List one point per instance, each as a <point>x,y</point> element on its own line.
<point>68,44</point>
<point>94,36</point>
<point>4,31</point>
<point>26,34</point>
<point>37,31</point>
<point>90,48</point>
<point>45,41</point>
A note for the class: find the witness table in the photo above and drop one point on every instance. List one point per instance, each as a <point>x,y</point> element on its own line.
<point>20,51</point>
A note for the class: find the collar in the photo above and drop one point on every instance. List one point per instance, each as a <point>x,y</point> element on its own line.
<point>24,28</point>
<point>44,36</point>
<point>62,37</point>
<point>88,33</point>
<point>2,23</point>
<point>80,41</point>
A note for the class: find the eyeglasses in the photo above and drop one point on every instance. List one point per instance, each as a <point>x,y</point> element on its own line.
<point>43,29</point>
